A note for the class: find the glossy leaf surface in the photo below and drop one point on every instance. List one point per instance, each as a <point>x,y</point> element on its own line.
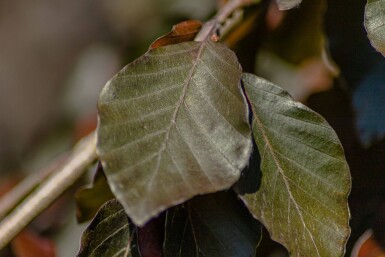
<point>302,200</point>
<point>211,225</point>
<point>172,125</point>
<point>375,24</point>
<point>109,234</point>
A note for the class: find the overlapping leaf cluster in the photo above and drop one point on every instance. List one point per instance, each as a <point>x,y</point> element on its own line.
<point>174,124</point>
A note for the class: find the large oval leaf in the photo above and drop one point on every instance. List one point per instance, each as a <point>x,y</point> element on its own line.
<point>306,181</point>
<point>375,23</point>
<point>173,124</point>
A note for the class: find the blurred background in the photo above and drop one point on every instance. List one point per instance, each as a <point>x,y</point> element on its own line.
<point>55,56</point>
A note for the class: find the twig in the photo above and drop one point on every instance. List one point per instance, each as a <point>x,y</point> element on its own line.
<point>211,27</point>
<point>229,8</point>
<point>83,154</point>
<point>22,189</point>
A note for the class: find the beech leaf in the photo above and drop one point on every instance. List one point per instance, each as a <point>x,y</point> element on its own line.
<point>173,124</point>
<point>375,24</point>
<point>287,4</point>
<point>211,225</point>
<point>109,234</point>
<point>302,200</point>
<point>181,32</point>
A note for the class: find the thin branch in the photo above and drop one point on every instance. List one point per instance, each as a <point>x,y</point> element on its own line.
<point>210,28</point>
<point>83,154</point>
<point>27,185</point>
<point>226,11</point>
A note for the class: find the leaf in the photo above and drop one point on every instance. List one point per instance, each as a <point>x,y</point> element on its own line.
<point>172,125</point>
<point>375,24</point>
<point>181,32</point>
<point>287,4</point>
<point>109,234</point>
<point>90,198</point>
<point>306,181</point>
<point>211,225</point>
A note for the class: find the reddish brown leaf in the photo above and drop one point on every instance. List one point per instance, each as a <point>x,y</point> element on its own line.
<point>181,32</point>
<point>29,244</point>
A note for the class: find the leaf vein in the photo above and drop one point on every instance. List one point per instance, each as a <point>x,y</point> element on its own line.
<point>209,138</point>
<point>160,111</point>
<point>175,114</point>
<point>291,197</point>
<point>220,58</point>
<point>216,79</point>
<point>106,239</point>
<point>196,159</point>
<point>138,140</point>
<point>139,97</point>
<point>302,143</point>
<point>159,72</point>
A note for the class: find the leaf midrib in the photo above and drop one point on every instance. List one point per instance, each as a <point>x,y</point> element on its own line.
<point>280,170</point>
<point>175,114</point>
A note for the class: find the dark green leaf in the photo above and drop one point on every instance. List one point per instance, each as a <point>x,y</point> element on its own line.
<point>211,225</point>
<point>109,233</point>
<point>287,4</point>
<point>172,125</point>
<point>306,181</point>
<point>89,199</point>
<point>375,23</point>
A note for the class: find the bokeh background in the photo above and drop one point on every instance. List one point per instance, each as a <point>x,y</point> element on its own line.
<point>55,56</point>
